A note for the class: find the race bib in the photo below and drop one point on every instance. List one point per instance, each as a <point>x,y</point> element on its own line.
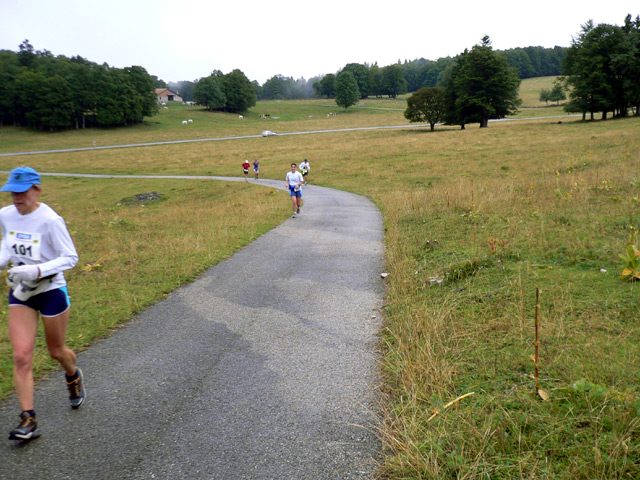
<point>26,245</point>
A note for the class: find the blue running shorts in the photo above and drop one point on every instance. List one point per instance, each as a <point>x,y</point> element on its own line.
<point>50,303</point>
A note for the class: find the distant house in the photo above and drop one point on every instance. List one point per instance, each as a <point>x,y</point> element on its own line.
<point>165,95</point>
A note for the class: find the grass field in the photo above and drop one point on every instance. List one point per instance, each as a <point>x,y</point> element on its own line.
<point>530,91</point>
<point>475,221</point>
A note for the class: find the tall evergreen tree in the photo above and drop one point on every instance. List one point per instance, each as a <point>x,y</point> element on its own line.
<point>455,111</point>
<point>484,86</point>
<point>632,80</point>
<point>588,69</point>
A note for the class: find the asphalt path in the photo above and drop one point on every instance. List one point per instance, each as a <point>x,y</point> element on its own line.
<point>263,368</point>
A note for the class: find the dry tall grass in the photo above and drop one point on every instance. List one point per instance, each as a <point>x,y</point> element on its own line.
<point>545,206</point>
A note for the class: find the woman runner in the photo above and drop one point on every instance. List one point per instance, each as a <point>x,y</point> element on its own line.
<point>294,183</point>
<point>37,244</point>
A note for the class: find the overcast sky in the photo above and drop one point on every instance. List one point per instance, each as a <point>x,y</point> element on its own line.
<point>188,39</point>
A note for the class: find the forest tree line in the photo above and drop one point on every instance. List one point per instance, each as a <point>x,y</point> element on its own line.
<point>600,71</point>
<point>375,81</point>
<point>46,92</point>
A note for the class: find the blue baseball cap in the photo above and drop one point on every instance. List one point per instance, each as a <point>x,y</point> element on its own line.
<point>21,179</point>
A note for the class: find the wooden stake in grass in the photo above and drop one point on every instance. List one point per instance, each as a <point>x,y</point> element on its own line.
<point>544,395</point>
<point>472,197</point>
<point>537,342</point>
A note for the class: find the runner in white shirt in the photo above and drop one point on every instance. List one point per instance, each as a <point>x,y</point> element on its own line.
<point>305,168</point>
<point>294,183</point>
<point>37,244</point>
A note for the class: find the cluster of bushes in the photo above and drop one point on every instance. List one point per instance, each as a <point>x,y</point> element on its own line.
<point>46,92</point>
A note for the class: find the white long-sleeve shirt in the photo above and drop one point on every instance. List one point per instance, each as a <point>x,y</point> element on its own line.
<point>38,238</point>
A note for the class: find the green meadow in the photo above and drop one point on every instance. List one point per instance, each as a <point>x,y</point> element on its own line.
<point>476,222</point>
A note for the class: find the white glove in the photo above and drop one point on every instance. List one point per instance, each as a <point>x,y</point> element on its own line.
<point>24,273</point>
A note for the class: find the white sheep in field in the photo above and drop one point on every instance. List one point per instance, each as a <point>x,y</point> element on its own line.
<point>184,122</point>
<point>310,117</point>
<point>166,108</point>
<point>190,121</point>
<point>240,117</point>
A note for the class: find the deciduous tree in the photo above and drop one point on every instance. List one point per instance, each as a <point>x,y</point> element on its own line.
<point>361,75</point>
<point>208,92</point>
<point>144,90</point>
<point>393,82</point>
<point>347,93</point>
<point>326,86</point>
<point>241,95</point>
<point>375,80</point>
<point>557,93</point>
<point>426,105</point>
<point>545,95</point>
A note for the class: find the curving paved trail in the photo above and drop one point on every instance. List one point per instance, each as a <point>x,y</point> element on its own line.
<point>263,368</point>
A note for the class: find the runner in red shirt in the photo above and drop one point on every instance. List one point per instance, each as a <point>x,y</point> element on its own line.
<point>245,168</point>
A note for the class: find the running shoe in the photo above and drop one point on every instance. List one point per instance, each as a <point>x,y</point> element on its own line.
<point>298,211</point>
<point>26,429</point>
<point>294,215</point>
<point>76,390</point>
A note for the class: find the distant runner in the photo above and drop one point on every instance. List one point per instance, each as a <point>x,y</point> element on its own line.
<point>36,242</point>
<point>245,169</point>
<point>305,169</point>
<point>294,183</point>
<point>256,167</point>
